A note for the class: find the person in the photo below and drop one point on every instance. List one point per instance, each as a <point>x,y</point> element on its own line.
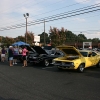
<point>0,53</point>
<point>15,54</point>
<point>3,54</point>
<point>10,55</point>
<point>24,55</point>
<point>20,50</point>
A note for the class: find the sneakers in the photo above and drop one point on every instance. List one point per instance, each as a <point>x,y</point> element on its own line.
<point>14,63</point>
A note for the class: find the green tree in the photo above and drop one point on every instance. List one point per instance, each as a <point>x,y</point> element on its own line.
<point>47,38</point>
<point>20,38</point>
<point>82,36</point>
<point>95,40</point>
<point>70,37</point>
<point>7,41</point>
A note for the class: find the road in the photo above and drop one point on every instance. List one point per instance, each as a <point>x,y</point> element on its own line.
<point>48,83</point>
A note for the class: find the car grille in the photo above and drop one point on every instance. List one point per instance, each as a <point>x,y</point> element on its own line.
<point>58,62</point>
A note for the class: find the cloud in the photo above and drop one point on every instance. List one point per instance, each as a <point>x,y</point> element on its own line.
<point>99,21</point>
<point>97,1</point>
<point>12,11</point>
<point>92,35</point>
<point>82,1</point>
<point>79,19</point>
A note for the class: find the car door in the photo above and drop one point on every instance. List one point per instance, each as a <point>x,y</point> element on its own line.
<point>89,60</point>
<point>95,58</point>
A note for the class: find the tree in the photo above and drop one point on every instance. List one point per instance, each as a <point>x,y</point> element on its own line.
<point>7,41</point>
<point>95,40</point>
<point>58,37</point>
<point>70,37</point>
<point>30,37</point>
<point>20,38</point>
<point>47,38</point>
<point>82,36</point>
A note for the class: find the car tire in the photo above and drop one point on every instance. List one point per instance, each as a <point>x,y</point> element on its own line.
<point>81,68</point>
<point>46,63</point>
<point>98,65</point>
<point>59,68</point>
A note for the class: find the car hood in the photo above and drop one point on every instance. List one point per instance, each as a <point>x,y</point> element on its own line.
<point>69,50</point>
<point>39,50</point>
<point>28,48</point>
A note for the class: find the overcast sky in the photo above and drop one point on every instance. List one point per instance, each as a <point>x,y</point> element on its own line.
<point>11,13</point>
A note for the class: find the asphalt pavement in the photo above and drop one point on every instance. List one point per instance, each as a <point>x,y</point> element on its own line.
<point>48,83</point>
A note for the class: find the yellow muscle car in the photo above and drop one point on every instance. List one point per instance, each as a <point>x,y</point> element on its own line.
<point>76,59</point>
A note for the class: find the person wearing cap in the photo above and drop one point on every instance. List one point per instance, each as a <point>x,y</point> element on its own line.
<point>10,55</point>
<point>15,54</point>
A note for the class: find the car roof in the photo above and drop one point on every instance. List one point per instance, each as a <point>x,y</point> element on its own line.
<point>85,50</point>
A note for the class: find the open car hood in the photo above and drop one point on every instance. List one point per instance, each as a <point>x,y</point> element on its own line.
<point>69,50</point>
<point>28,48</point>
<point>39,50</point>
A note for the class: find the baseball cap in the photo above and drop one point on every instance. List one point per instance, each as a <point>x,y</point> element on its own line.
<point>10,46</point>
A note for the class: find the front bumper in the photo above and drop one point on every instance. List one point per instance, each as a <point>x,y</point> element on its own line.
<point>64,65</point>
<point>34,60</point>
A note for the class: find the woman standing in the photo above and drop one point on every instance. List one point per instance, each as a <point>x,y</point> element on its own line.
<point>24,55</point>
<point>3,54</point>
<point>10,55</point>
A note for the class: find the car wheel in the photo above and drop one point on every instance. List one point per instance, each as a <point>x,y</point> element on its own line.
<point>59,68</point>
<point>81,68</point>
<point>46,63</point>
<point>98,65</point>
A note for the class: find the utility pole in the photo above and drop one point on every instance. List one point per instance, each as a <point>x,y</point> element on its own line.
<point>44,32</point>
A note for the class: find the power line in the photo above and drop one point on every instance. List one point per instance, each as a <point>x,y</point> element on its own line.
<point>56,9</point>
<point>61,14</point>
<point>53,18</point>
<point>66,13</point>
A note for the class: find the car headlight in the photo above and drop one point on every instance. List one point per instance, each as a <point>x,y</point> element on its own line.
<point>34,57</point>
<point>53,62</point>
<point>72,64</point>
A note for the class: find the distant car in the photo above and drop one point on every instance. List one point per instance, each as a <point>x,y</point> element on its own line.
<point>76,59</point>
<point>42,57</point>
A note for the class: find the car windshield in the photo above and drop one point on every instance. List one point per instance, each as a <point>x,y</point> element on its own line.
<point>85,54</point>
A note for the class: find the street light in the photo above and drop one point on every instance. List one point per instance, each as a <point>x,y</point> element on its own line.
<point>26,16</point>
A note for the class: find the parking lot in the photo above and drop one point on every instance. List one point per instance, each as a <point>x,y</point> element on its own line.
<point>48,83</point>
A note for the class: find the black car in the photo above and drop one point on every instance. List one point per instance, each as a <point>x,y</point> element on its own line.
<point>40,56</point>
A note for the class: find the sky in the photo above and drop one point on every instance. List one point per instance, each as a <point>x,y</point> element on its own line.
<point>11,14</point>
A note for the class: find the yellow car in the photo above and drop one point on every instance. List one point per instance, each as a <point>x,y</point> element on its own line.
<point>76,59</point>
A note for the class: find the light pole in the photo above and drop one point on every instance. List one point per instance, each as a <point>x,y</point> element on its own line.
<point>26,16</point>
<point>44,32</point>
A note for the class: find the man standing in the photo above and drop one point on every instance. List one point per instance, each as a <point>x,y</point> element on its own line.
<point>15,55</point>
